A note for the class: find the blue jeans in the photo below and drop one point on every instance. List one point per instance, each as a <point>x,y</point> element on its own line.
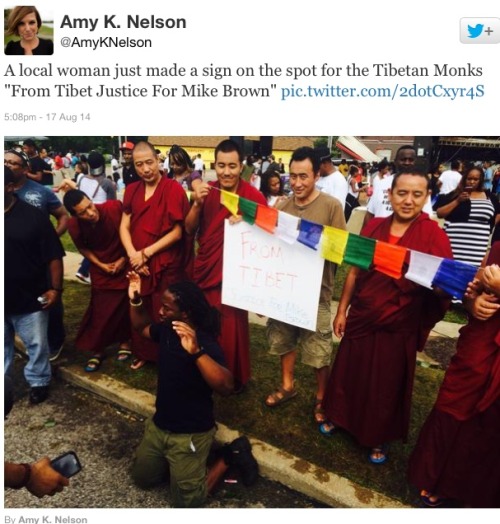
<point>32,330</point>
<point>84,267</point>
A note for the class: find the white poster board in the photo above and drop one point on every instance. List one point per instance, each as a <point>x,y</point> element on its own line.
<point>265,275</point>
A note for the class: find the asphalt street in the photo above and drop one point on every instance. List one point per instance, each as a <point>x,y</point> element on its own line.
<point>104,436</point>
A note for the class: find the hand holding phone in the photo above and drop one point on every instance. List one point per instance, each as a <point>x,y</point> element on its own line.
<point>67,464</point>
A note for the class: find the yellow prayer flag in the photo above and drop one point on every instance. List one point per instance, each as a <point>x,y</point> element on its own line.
<point>333,244</point>
<point>230,201</point>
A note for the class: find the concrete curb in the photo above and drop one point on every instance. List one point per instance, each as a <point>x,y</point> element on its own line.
<point>275,464</point>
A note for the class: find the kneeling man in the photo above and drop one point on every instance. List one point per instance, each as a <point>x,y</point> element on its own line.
<point>179,436</point>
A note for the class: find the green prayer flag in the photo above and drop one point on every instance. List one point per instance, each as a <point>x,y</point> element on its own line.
<point>248,209</point>
<point>359,251</point>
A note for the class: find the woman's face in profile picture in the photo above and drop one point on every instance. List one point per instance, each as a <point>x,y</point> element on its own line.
<point>28,27</point>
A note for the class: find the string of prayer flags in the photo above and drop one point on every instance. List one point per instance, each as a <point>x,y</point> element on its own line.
<point>359,251</point>
<point>288,227</point>
<point>230,201</point>
<point>248,210</point>
<point>389,259</point>
<point>453,277</point>
<point>422,268</point>
<point>333,244</point>
<point>339,246</point>
<point>309,233</point>
<point>266,218</point>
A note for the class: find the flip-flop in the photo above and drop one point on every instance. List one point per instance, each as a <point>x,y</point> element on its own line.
<point>378,450</point>
<point>425,497</point>
<point>93,364</point>
<point>280,399</point>
<point>327,428</point>
<point>137,364</point>
<point>123,355</point>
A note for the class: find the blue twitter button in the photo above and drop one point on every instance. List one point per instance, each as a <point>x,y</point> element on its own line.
<point>480,30</point>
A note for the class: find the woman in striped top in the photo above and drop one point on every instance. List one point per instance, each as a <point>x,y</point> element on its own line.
<point>470,214</point>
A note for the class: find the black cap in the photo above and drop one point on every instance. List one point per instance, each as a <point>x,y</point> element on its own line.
<point>323,153</point>
<point>96,163</point>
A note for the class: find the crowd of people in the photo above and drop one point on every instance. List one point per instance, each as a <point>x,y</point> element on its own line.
<point>158,299</point>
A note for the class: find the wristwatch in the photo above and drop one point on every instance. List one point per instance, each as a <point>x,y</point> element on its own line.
<point>196,356</point>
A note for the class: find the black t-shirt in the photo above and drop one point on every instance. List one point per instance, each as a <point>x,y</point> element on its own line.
<point>45,47</point>
<point>129,175</point>
<point>30,244</point>
<point>38,165</point>
<point>183,399</point>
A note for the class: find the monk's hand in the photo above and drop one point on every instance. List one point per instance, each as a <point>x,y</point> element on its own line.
<point>187,335</point>
<point>491,279</point>
<point>484,306</point>
<point>235,219</point>
<point>136,260</point>
<point>474,289</point>
<point>134,285</point>
<point>107,268</point>
<point>339,323</point>
<point>144,271</point>
<point>119,265</point>
<point>200,193</point>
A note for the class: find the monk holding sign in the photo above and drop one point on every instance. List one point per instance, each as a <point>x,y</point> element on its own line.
<point>207,216</point>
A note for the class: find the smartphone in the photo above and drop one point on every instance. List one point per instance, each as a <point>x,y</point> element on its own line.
<point>43,300</point>
<point>67,464</point>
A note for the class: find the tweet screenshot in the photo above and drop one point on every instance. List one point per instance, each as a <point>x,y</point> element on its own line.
<point>212,301</point>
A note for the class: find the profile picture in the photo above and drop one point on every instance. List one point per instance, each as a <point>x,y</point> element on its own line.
<point>27,31</point>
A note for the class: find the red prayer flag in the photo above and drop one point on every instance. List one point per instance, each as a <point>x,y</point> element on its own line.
<point>266,218</point>
<point>389,258</point>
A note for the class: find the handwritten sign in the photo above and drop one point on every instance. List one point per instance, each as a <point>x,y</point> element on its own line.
<point>265,275</point>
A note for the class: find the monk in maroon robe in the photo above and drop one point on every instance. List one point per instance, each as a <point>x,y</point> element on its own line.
<point>207,215</point>
<point>457,455</point>
<point>94,229</point>
<point>370,385</point>
<point>154,210</point>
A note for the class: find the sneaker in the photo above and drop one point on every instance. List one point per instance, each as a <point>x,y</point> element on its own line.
<point>83,278</point>
<point>239,453</point>
<point>38,394</point>
<point>54,355</point>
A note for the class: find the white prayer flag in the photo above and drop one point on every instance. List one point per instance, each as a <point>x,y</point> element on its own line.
<point>423,268</point>
<point>287,228</point>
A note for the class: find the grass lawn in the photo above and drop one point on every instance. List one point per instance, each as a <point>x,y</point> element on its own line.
<point>291,426</point>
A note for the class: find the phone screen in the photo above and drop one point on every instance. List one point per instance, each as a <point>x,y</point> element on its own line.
<point>67,464</point>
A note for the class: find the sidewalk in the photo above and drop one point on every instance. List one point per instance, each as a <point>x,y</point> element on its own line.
<point>275,464</point>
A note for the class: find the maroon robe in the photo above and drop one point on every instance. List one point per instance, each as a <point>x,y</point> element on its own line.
<point>107,318</point>
<point>457,454</point>
<point>234,338</point>
<point>149,221</point>
<point>370,385</point>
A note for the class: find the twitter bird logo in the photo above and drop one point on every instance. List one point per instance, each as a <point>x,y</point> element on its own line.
<point>475,31</point>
